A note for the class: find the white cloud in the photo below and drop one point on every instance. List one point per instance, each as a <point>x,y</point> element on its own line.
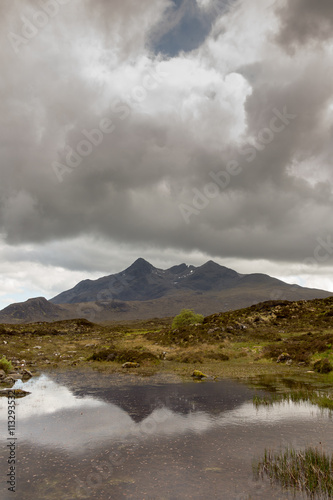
<point>171,130</point>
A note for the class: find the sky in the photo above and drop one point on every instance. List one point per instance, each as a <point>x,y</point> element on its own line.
<point>173,130</point>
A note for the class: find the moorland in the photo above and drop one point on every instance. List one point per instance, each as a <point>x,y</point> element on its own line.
<point>291,339</point>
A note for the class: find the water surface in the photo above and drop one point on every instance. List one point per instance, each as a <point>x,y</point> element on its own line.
<point>118,437</point>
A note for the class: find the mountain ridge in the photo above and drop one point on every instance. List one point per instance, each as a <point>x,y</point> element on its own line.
<point>143,281</point>
<point>143,291</point>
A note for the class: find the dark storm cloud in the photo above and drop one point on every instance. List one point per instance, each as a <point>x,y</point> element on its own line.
<point>303,21</point>
<point>171,124</point>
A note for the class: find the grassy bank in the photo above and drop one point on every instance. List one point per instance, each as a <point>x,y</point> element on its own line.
<point>309,470</point>
<point>323,400</point>
<point>272,338</point>
<point>242,344</point>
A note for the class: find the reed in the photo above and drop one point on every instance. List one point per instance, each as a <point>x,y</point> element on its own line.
<point>320,399</point>
<point>309,471</point>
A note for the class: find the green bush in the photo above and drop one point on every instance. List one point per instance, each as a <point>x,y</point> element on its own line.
<point>186,317</point>
<point>5,365</point>
<point>323,366</point>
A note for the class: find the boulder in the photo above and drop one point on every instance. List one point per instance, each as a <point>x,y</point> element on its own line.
<point>283,358</point>
<point>197,374</point>
<point>15,376</point>
<point>17,393</point>
<point>128,364</point>
<point>8,381</point>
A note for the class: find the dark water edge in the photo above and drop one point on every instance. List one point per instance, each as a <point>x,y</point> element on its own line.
<point>82,436</point>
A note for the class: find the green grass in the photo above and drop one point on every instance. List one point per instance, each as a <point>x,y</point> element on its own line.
<point>322,400</point>
<point>5,365</point>
<point>241,344</point>
<point>309,471</point>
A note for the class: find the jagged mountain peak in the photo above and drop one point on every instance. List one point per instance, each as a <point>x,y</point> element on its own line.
<point>143,290</point>
<point>141,266</point>
<point>181,268</point>
<point>141,281</point>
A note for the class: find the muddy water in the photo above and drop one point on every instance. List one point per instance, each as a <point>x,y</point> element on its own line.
<point>93,436</point>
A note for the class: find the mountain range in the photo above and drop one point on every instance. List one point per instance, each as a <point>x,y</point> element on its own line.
<point>143,291</point>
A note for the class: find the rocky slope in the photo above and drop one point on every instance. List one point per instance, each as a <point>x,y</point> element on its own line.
<point>143,291</point>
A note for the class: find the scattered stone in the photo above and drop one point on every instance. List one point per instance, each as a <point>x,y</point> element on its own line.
<point>283,357</point>
<point>18,393</point>
<point>15,376</point>
<point>37,347</point>
<point>213,330</point>
<point>323,366</point>
<point>128,364</point>
<point>2,374</point>
<point>8,380</point>
<point>26,373</point>
<point>198,375</point>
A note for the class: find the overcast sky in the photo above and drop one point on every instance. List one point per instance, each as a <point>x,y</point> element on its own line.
<point>174,130</point>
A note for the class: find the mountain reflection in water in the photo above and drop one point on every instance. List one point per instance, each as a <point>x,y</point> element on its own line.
<point>210,426</point>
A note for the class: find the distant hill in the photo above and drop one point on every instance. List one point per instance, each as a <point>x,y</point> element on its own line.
<point>143,291</point>
<point>38,309</point>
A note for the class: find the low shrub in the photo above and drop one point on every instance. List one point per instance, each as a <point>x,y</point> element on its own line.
<point>101,355</point>
<point>187,357</point>
<point>300,348</point>
<point>5,365</point>
<point>323,366</point>
<point>219,356</point>
<point>185,318</point>
<point>123,355</point>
